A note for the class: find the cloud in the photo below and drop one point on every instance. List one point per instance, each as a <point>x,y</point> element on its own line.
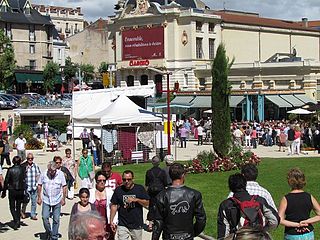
<point>281,9</point>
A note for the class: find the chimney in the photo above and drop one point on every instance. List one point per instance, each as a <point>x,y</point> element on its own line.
<point>305,22</point>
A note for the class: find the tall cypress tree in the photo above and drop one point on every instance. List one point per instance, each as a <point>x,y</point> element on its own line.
<point>221,89</point>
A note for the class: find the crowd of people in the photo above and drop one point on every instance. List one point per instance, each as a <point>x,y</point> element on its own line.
<point>111,204</point>
<point>290,135</point>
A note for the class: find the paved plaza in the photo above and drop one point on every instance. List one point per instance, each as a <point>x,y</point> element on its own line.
<point>31,229</point>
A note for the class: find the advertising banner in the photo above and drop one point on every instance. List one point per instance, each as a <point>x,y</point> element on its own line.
<point>147,43</point>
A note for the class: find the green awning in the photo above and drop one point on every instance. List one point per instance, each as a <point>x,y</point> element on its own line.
<point>277,100</point>
<point>290,98</point>
<point>304,98</point>
<point>234,101</point>
<point>34,77</point>
<point>201,102</point>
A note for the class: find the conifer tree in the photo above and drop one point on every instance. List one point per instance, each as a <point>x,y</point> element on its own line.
<point>221,89</point>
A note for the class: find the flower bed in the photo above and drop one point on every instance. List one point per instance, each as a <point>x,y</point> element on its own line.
<point>207,162</point>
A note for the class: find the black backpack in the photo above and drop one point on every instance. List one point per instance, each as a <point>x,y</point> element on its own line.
<point>156,184</point>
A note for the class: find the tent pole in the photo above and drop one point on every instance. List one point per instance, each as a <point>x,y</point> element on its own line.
<point>102,152</point>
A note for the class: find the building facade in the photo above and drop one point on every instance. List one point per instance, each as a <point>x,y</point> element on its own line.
<point>29,31</point>
<point>68,21</point>
<point>276,62</point>
<point>90,45</point>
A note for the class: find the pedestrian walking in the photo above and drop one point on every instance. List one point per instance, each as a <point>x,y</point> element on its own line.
<point>69,163</point>
<point>52,190</point>
<point>85,138</point>
<point>86,170</point>
<point>15,183</point>
<point>32,177</point>
<point>179,209</point>
<point>20,145</point>
<point>10,124</point>
<point>5,155</point>
<point>128,200</point>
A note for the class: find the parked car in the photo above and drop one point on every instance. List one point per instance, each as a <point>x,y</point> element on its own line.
<point>10,104</point>
<point>31,94</point>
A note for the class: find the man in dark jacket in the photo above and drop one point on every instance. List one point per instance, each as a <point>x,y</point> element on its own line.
<point>229,216</point>
<point>155,183</point>
<point>176,208</point>
<point>15,183</point>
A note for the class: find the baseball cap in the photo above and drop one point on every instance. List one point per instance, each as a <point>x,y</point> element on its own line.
<point>169,159</point>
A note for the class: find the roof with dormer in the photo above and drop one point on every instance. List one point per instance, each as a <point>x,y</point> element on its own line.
<point>16,14</point>
<point>183,3</point>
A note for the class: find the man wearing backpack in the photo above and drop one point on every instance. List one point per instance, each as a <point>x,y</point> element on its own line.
<point>244,210</point>
<point>155,183</point>
<point>250,173</point>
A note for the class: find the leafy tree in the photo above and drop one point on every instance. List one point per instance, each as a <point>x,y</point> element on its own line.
<point>49,74</point>
<point>7,61</point>
<point>103,68</point>
<point>70,69</point>
<point>221,90</point>
<point>87,71</point>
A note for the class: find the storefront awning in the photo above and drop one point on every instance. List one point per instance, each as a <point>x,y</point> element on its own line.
<point>295,102</point>
<point>277,100</point>
<point>304,98</point>
<point>34,78</point>
<point>181,101</point>
<point>235,101</point>
<point>201,102</point>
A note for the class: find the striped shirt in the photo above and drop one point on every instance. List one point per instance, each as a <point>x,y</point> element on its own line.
<point>32,174</point>
<point>52,188</point>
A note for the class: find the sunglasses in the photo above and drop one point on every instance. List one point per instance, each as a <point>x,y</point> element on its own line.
<point>58,162</point>
<point>126,179</point>
<point>29,158</point>
<point>101,180</point>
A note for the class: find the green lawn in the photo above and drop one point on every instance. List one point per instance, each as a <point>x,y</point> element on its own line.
<point>272,175</point>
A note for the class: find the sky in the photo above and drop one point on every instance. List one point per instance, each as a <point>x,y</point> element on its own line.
<point>282,9</point>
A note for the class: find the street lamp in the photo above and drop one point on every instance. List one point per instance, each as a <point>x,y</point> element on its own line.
<point>168,102</point>
<point>28,83</point>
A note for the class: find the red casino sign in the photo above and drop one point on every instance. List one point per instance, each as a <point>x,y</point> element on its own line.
<point>146,43</point>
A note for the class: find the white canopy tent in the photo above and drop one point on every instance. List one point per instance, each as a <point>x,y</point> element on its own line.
<point>89,106</point>
<point>124,111</point>
<point>300,111</point>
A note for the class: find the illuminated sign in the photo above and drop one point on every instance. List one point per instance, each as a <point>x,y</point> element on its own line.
<point>139,63</point>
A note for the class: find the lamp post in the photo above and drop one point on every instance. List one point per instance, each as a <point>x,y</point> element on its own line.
<point>28,83</point>
<point>168,91</point>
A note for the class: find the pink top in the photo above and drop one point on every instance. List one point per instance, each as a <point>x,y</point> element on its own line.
<point>183,132</point>
<point>4,126</point>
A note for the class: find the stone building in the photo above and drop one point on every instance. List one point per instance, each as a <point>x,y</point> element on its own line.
<point>29,31</point>
<point>68,21</point>
<point>276,61</point>
<point>90,45</point>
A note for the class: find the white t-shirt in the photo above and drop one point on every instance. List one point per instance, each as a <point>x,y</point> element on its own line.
<point>0,170</point>
<point>69,129</point>
<point>20,143</point>
<point>200,131</point>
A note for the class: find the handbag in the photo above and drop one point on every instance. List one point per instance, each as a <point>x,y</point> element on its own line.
<point>26,197</point>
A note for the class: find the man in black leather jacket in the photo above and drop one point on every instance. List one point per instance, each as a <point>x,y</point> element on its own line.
<point>176,208</point>
<point>15,183</point>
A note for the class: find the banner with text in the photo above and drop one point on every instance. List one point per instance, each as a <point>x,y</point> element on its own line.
<point>147,43</point>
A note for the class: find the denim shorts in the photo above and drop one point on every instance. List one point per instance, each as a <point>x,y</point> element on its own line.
<point>305,236</point>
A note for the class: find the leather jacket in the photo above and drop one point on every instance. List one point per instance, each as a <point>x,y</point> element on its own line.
<point>175,210</point>
<point>15,178</point>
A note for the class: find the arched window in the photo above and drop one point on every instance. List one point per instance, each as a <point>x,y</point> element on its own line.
<point>144,80</point>
<point>130,81</point>
<point>158,83</point>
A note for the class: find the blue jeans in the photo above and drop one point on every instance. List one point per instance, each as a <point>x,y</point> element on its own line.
<point>96,157</point>
<point>33,200</point>
<point>56,209</point>
<point>305,236</point>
